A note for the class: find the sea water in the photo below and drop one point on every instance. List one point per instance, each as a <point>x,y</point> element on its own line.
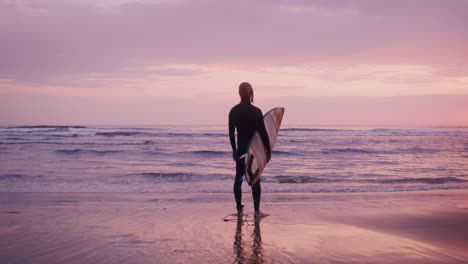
<point>162,159</point>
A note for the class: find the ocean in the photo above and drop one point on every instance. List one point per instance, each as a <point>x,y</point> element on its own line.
<point>197,159</point>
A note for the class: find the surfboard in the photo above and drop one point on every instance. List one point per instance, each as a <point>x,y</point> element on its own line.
<point>256,157</point>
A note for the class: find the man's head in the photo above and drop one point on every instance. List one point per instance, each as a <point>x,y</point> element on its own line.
<point>246,92</point>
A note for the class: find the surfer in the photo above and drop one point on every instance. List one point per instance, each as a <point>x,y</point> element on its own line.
<point>247,119</point>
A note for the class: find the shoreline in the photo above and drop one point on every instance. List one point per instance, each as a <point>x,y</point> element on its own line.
<point>207,197</point>
<point>401,227</point>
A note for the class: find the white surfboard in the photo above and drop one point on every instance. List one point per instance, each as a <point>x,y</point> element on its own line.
<point>256,158</point>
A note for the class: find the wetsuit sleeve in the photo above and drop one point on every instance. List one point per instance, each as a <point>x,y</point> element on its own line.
<point>262,131</point>
<point>232,127</point>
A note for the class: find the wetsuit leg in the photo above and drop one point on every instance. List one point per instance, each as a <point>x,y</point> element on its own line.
<point>256,193</point>
<point>240,170</point>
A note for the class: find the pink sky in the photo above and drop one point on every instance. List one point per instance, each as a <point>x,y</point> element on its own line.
<point>120,62</point>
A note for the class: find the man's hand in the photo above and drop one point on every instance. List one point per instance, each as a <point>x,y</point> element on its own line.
<point>234,154</point>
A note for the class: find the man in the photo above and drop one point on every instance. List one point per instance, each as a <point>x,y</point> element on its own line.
<point>247,119</point>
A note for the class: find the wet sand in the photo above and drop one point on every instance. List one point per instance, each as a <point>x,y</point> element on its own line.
<point>409,227</point>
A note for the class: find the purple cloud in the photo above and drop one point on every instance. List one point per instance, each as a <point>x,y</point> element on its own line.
<point>44,40</point>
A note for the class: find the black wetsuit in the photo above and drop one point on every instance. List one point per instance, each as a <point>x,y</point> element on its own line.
<point>247,119</point>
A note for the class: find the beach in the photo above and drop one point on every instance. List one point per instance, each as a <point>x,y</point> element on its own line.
<point>396,227</point>
<point>129,129</point>
<point>163,194</point>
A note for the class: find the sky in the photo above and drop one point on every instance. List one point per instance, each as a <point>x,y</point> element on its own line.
<point>179,62</point>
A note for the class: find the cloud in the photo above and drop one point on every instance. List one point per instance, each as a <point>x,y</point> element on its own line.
<point>45,40</point>
<point>176,69</point>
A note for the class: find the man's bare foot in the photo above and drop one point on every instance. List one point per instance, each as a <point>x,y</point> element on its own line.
<point>240,210</point>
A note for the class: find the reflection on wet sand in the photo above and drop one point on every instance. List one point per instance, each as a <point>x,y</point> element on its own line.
<point>244,253</point>
<point>404,228</point>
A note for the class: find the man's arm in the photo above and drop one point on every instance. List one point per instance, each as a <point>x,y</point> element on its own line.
<point>232,137</point>
<point>264,135</point>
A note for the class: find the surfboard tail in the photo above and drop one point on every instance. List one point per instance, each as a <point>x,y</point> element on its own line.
<point>252,175</point>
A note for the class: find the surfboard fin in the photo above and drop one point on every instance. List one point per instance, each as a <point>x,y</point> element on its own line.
<point>252,175</point>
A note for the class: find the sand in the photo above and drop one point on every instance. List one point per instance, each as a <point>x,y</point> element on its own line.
<point>406,227</point>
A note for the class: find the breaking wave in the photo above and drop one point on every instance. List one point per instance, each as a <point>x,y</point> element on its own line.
<point>70,152</point>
